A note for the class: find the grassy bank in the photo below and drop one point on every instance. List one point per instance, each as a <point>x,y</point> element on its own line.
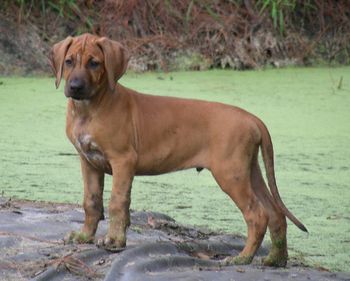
<point>306,110</point>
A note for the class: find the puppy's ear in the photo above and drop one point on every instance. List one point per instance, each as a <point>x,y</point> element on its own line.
<point>56,57</point>
<point>116,59</point>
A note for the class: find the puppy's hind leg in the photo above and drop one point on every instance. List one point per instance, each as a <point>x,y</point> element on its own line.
<point>235,181</point>
<point>277,220</point>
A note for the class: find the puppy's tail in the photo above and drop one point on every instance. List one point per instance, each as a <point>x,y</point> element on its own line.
<point>267,154</point>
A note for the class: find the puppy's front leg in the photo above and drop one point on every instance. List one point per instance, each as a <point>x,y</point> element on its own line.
<point>93,203</point>
<point>119,215</point>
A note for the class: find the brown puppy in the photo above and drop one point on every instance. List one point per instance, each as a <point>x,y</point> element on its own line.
<point>121,132</point>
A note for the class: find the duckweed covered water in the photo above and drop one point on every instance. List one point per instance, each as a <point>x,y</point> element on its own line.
<point>306,113</point>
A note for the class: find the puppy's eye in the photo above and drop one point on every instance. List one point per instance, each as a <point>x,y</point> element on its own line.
<point>68,62</point>
<point>93,64</point>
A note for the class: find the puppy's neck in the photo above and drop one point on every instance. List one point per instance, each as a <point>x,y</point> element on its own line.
<point>81,103</point>
<point>90,107</point>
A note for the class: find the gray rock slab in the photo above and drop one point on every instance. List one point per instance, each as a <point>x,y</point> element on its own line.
<point>32,248</point>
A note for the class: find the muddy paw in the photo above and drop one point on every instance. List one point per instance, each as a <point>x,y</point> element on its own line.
<point>110,244</point>
<point>238,260</point>
<point>275,261</point>
<point>78,238</point>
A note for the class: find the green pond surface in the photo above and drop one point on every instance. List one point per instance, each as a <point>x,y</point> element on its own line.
<point>307,111</point>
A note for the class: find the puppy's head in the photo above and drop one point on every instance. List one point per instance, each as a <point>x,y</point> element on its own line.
<point>88,63</point>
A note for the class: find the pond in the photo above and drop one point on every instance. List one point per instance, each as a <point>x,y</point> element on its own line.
<point>305,109</point>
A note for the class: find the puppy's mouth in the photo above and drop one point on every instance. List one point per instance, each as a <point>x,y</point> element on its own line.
<point>77,95</point>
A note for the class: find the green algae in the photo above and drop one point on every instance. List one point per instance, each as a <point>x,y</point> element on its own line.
<point>78,237</point>
<point>278,253</point>
<point>238,260</point>
<point>307,115</point>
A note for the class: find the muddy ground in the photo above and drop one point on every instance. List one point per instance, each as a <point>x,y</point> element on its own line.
<point>157,249</point>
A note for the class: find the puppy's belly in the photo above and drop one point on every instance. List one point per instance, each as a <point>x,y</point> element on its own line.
<point>175,161</point>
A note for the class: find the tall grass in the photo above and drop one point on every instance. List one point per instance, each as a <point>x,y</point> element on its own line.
<point>61,7</point>
<point>44,11</point>
<point>277,10</point>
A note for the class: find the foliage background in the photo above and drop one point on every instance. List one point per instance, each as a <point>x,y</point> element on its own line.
<point>192,34</point>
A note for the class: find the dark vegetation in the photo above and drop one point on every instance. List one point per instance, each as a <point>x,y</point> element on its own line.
<point>195,34</point>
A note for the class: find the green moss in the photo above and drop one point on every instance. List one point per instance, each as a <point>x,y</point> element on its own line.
<point>278,254</point>
<point>79,238</point>
<point>238,260</point>
<point>308,118</point>
<point>280,244</point>
<point>275,261</point>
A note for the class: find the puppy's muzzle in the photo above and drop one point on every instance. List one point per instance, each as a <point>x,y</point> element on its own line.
<point>77,89</point>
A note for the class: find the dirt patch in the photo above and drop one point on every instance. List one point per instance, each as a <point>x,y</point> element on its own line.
<point>22,51</point>
<point>158,249</point>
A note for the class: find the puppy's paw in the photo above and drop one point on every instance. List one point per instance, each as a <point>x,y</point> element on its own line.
<point>111,244</point>
<point>275,260</point>
<point>238,260</point>
<point>79,237</point>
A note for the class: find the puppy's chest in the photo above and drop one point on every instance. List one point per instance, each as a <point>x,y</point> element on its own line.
<point>89,149</point>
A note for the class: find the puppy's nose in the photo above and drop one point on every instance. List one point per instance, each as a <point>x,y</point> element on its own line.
<point>76,84</point>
